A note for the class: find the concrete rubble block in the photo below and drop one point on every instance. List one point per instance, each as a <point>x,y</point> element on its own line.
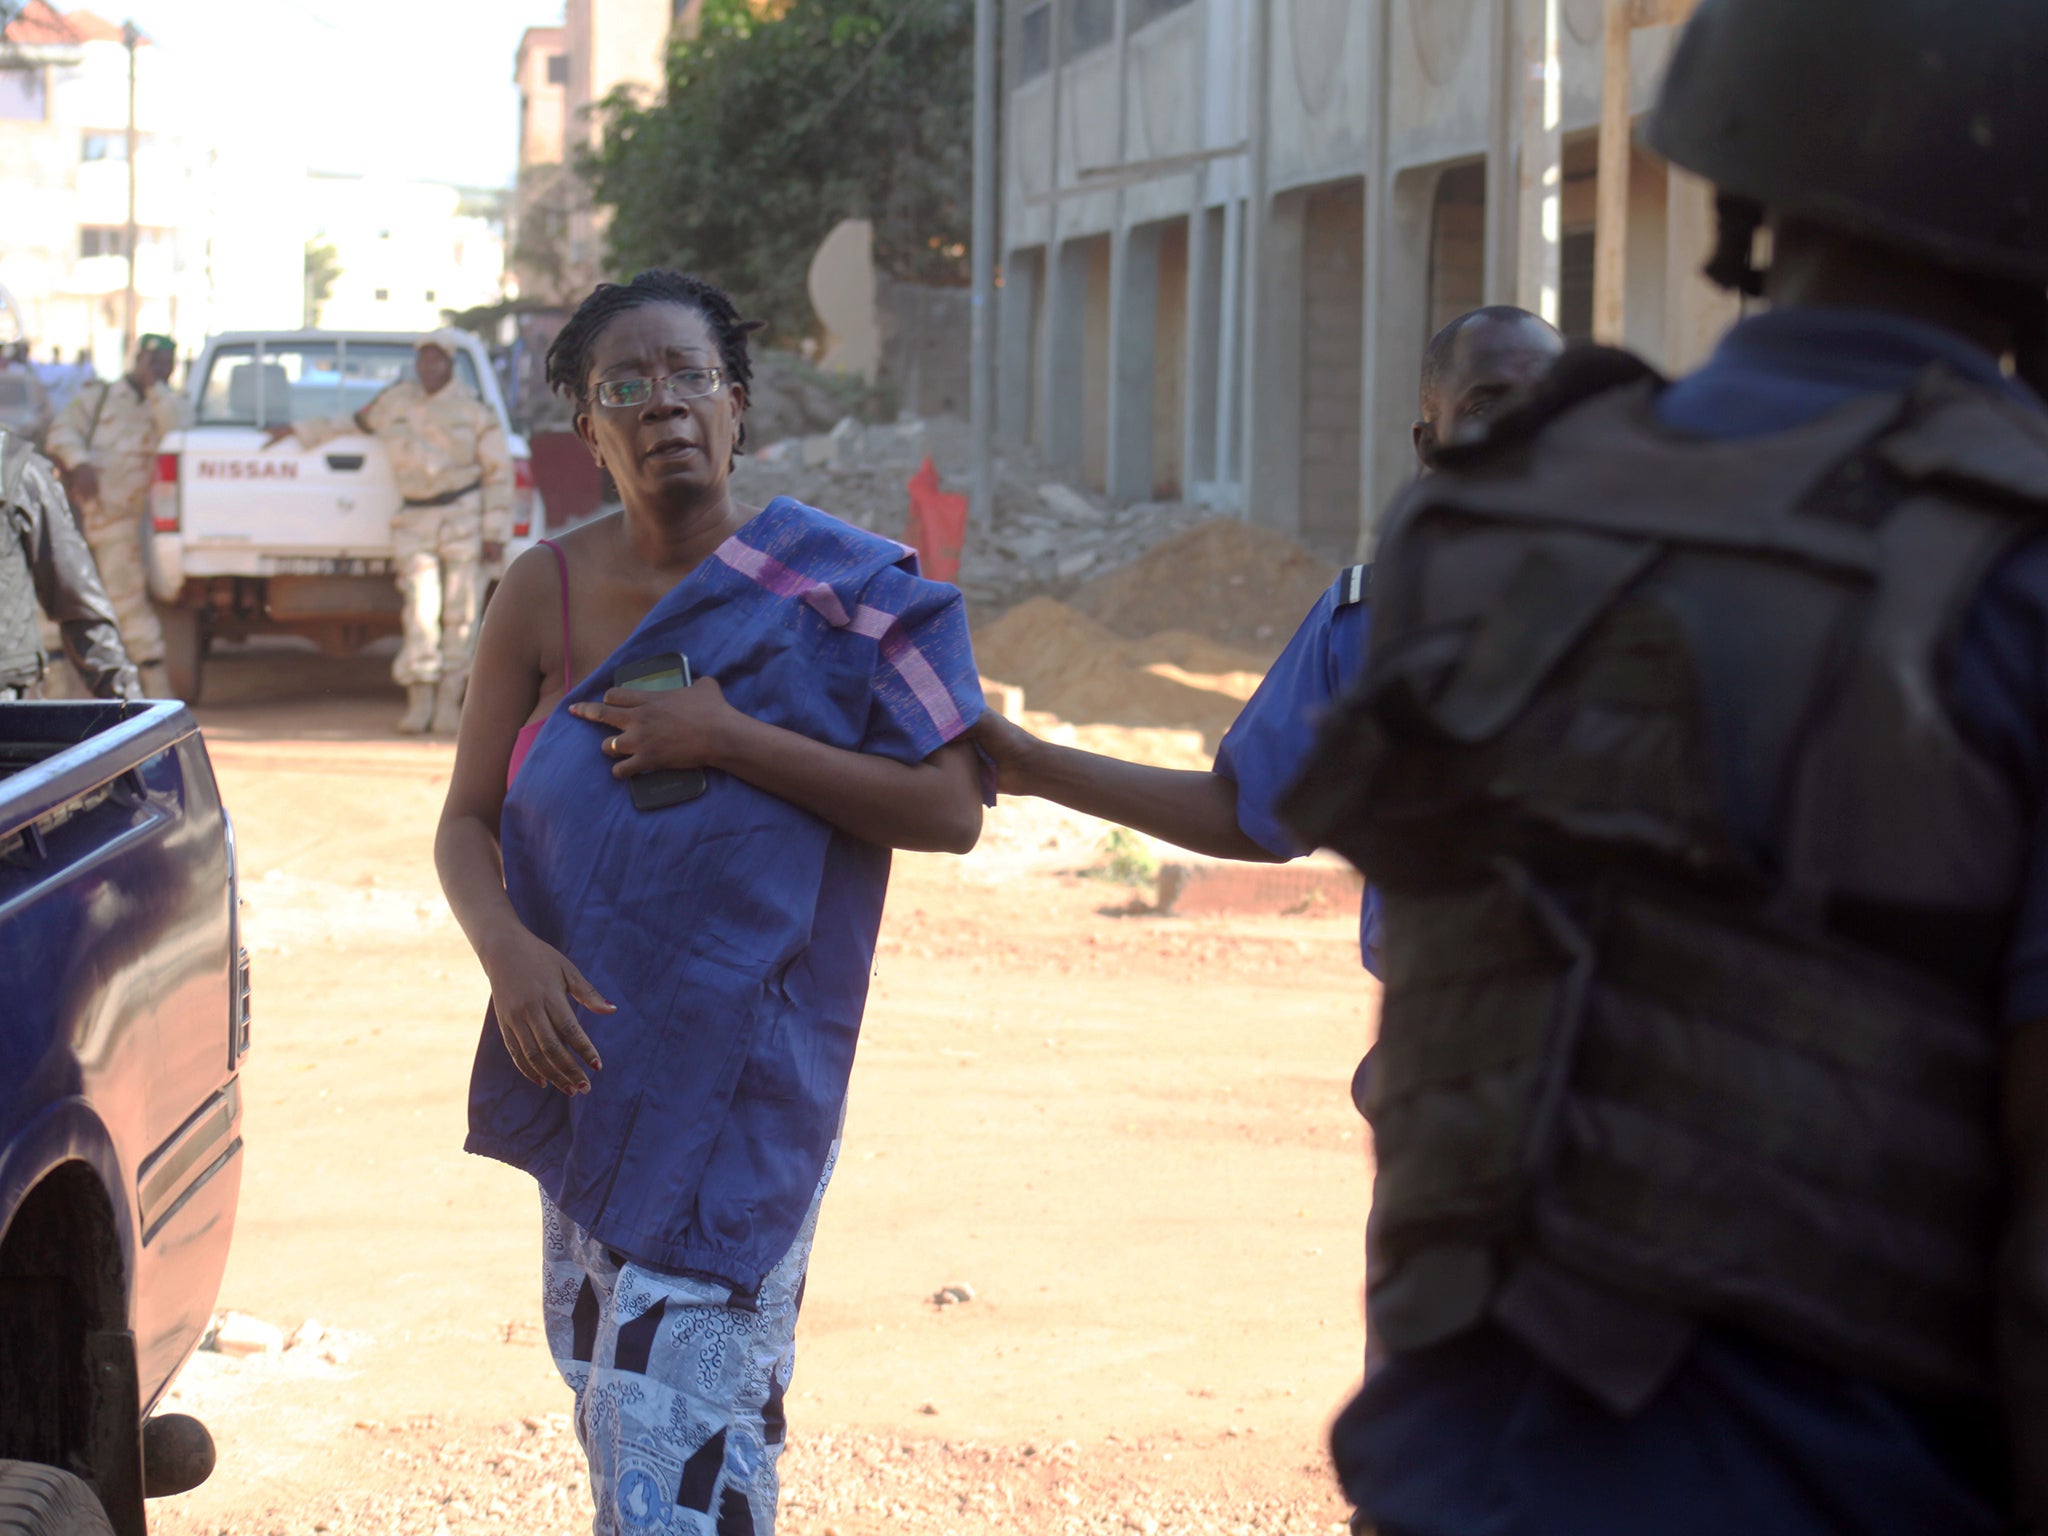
<point>1199,887</point>
<point>240,1335</point>
<point>1076,564</point>
<point>816,451</point>
<point>1069,503</point>
<point>1005,699</point>
<point>845,445</point>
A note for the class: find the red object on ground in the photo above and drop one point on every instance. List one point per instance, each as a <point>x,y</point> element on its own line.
<point>937,526</point>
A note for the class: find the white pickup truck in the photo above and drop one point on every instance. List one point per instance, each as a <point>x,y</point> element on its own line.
<point>245,539</point>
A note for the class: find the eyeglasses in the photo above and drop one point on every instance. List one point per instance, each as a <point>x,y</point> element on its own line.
<point>684,384</point>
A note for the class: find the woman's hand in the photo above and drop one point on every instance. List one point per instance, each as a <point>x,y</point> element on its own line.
<point>532,986</point>
<point>1012,749</point>
<point>675,728</point>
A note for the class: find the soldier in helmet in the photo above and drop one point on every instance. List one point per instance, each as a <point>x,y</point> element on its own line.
<point>1700,766</point>
<point>45,563</point>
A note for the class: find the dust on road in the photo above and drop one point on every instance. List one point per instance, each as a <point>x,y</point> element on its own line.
<point>1130,1137</point>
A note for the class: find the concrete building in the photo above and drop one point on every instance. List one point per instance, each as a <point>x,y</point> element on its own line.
<point>219,214</point>
<point>64,182</point>
<point>564,73</point>
<point>544,194</point>
<point>1230,227</point>
<point>408,252</point>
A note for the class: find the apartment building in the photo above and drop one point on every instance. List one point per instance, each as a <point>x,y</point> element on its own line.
<point>407,252</point>
<point>1230,227</point>
<point>64,177</point>
<point>564,73</point>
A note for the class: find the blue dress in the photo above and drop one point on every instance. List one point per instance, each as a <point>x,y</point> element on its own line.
<point>735,933</point>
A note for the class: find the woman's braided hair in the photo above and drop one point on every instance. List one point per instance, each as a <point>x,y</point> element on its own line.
<point>569,357</point>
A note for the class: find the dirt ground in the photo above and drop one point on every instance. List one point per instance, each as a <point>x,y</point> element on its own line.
<point>1129,1136</point>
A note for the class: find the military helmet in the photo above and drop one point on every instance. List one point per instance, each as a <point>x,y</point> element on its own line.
<point>1919,123</point>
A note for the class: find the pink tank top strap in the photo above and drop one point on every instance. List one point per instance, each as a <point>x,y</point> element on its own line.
<point>562,568</point>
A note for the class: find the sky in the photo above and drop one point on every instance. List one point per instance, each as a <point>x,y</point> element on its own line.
<point>414,88</point>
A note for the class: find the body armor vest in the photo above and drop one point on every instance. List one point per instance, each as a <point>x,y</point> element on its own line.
<point>21,636</point>
<point>1651,742</point>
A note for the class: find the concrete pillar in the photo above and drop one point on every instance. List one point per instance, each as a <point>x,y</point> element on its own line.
<point>1696,312</point>
<point>1205,346</point>
<point>1503,188</point>
<point>1015,341</point>
<point>1060,360</point>
<point>1230,354</point>
<point>1539,278</point>
<point>1133,315</point>
<point>1397,326</point>
<point>1273,484</point>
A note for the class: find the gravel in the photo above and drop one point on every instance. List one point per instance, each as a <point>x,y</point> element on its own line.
<point>527,1478</point>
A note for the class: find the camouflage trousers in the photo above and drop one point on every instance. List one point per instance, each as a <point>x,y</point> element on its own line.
<point>438,558</point>
<point>114,530</point>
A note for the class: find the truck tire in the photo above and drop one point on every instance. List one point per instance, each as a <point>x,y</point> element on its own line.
<point>36,1500</point>
<point>188,638</point>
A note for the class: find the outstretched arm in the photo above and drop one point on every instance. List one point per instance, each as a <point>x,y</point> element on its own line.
<point>1196,811</point>
<point>933,806</point>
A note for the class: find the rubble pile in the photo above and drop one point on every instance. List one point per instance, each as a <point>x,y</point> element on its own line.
<point>1241,585</point>
<point>1044,538</point>
<point>1080,671</point>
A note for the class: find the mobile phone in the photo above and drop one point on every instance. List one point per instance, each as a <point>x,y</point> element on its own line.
<point>670,786</point>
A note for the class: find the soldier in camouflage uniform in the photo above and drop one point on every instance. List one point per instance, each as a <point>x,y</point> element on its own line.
<point>105,443</point>
<point>44,562</point>
<point>454,470</point>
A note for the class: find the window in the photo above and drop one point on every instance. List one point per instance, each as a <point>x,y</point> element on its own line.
<point>1143,11</point>
<point>1034,42</point>
<point>102,240</point>
<point>298,380</point>
<point>103,146</point>
<point>22,95</point>
<point>1090,24</point>
<point>1575,290</point>
<point>558,69</point>
<point>383,294</point>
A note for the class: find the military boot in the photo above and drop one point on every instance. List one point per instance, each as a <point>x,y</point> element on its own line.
<point>448,706</point>
<point>419,709</point>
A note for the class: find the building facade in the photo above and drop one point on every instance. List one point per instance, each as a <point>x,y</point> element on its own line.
<point>64,179</point>
<point>408,253</point>
<point>1231,226</point>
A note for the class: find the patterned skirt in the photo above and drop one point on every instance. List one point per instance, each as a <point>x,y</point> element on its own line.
<point>679,1381</point>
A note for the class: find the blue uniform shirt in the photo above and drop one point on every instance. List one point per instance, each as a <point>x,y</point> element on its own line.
<point>1269,742</point>
<point>1475,1435</point>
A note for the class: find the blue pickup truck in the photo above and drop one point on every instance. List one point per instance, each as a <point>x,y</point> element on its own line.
<point>124,1018</point>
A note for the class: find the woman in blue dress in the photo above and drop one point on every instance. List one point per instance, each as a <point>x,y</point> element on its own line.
<point>676,992</point>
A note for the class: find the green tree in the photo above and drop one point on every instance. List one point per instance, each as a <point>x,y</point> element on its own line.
<point>775,126</point>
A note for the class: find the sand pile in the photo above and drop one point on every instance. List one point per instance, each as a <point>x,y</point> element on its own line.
<point>1235,583</point>
<point>1084,673</point>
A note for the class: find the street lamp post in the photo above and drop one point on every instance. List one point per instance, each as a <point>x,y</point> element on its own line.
<point>130,36</point>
